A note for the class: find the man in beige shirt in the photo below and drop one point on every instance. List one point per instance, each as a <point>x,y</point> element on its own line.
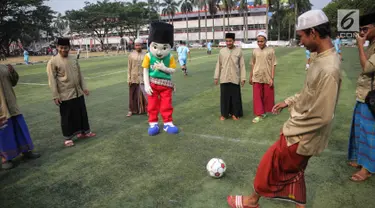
<point>137,94</point>
<point>230,69</point>
<point>361,152</point>
<point>15,138</point>
<point>262,76</point>
<point>280,173</point>
<point>68,89</point>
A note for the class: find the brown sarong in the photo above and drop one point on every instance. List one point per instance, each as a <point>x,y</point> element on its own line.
<point>280,173</point>
<point>137,99</point>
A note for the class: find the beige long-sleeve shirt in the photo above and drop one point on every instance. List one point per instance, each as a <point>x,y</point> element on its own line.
<point>135,69</point>
<point>263,60</point>
<point>8,101</point>
<point>230,66</point>
<point>65,78</point>
<point>312,110</point>
<point>364,79</point>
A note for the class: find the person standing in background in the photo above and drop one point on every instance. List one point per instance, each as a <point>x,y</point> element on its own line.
<point>68,88</point>
<point>231,72</point>
<point>15,137</point>
<point>137,93</point>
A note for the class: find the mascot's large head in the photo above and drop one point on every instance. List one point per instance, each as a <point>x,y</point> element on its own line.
<point>160,39</point>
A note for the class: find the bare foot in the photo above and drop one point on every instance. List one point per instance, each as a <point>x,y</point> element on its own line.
<point>129,114</point>
<point>300,206</point>
<point>354,164</point>
<point>235,118</point>
<point>222,118</point>
<point>253,199</point>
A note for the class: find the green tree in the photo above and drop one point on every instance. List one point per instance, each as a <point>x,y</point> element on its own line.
<point>104,17</point>
<point>135,16</point>
<point>99,18</point>
<point>228,6</point>
<point>23,21</point>
<point>186,7</point>
<point>201,4</point>
<point>170,9</point>
<point>244,10</point>
<point>212,9</point>
<point>60,24</point>
<point>364,6</point>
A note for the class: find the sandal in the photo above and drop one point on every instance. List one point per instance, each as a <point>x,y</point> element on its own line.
<point>222,118</point>
<point>88,135</point>
<point>69,143</point>
<point>7,165</point>
<point>236,202</point>
<point>129,114</point>
<point>354,165</point>
<point>257,119</point>
<point>359,178</point>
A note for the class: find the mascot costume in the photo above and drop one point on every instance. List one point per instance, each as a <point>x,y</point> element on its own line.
<point>158,67</point>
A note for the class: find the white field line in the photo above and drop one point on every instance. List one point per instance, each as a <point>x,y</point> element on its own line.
<point>118,72</point>
<point>38,84</point>
<point>102,75</point>
<point>257,142</point>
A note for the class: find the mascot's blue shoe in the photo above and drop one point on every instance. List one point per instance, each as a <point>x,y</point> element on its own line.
<point>153,130</point>
<point>170,129</point>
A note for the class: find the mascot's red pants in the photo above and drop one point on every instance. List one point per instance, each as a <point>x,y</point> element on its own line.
<point>160,100</point>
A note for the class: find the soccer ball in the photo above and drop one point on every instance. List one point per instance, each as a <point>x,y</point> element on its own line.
<point>216,167</point>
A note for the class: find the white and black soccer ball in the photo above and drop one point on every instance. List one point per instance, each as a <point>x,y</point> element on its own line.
<point>216,167</point>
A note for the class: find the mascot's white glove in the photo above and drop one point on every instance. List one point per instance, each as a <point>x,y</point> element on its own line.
<point>146,81</point>
<point>162,67</point>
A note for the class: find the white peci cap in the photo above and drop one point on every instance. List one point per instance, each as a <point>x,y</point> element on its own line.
<point>262,34</point>
<point>138,40</point>
<point>311,19</point>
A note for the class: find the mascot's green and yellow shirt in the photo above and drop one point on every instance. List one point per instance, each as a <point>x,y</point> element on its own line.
<point>150,60</point>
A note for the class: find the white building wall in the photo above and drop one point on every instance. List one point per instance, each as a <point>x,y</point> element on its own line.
<point>192,36</point>
<point>218,35</point>
<point>219,22</point>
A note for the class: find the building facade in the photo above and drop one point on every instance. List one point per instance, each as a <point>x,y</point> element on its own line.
<point>186,26</point>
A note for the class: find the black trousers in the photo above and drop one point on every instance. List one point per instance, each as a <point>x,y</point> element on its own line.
<point>74,119</point>
<point>230,100</point>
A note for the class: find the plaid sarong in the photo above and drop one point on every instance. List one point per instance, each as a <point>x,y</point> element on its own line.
<point>362,137</point>
<point>162,82</point>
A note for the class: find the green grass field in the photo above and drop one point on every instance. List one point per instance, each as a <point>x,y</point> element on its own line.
<point>124,167</point>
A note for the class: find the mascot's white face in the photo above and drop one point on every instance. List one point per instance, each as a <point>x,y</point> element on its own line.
<point>160,50</point>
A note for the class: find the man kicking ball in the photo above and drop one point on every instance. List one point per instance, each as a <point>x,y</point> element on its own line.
<point>281,171</point>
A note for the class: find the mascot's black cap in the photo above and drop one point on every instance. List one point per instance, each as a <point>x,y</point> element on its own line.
<point>230,35</point>
<point>63,41</point>
<point>161,32</point>
<point>367,19</point>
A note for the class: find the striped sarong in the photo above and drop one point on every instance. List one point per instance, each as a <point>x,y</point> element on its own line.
<point>281,173</point>
<point>362,137</point>
<point>15,138</point>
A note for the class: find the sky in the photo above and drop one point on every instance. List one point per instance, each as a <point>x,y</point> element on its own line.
<point>63,5</point>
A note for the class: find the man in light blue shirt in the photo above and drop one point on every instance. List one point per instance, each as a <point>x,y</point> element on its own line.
<point>308,59</point>
<point>209,47</point>
<point>183,53</point>
<point>338,46</point>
